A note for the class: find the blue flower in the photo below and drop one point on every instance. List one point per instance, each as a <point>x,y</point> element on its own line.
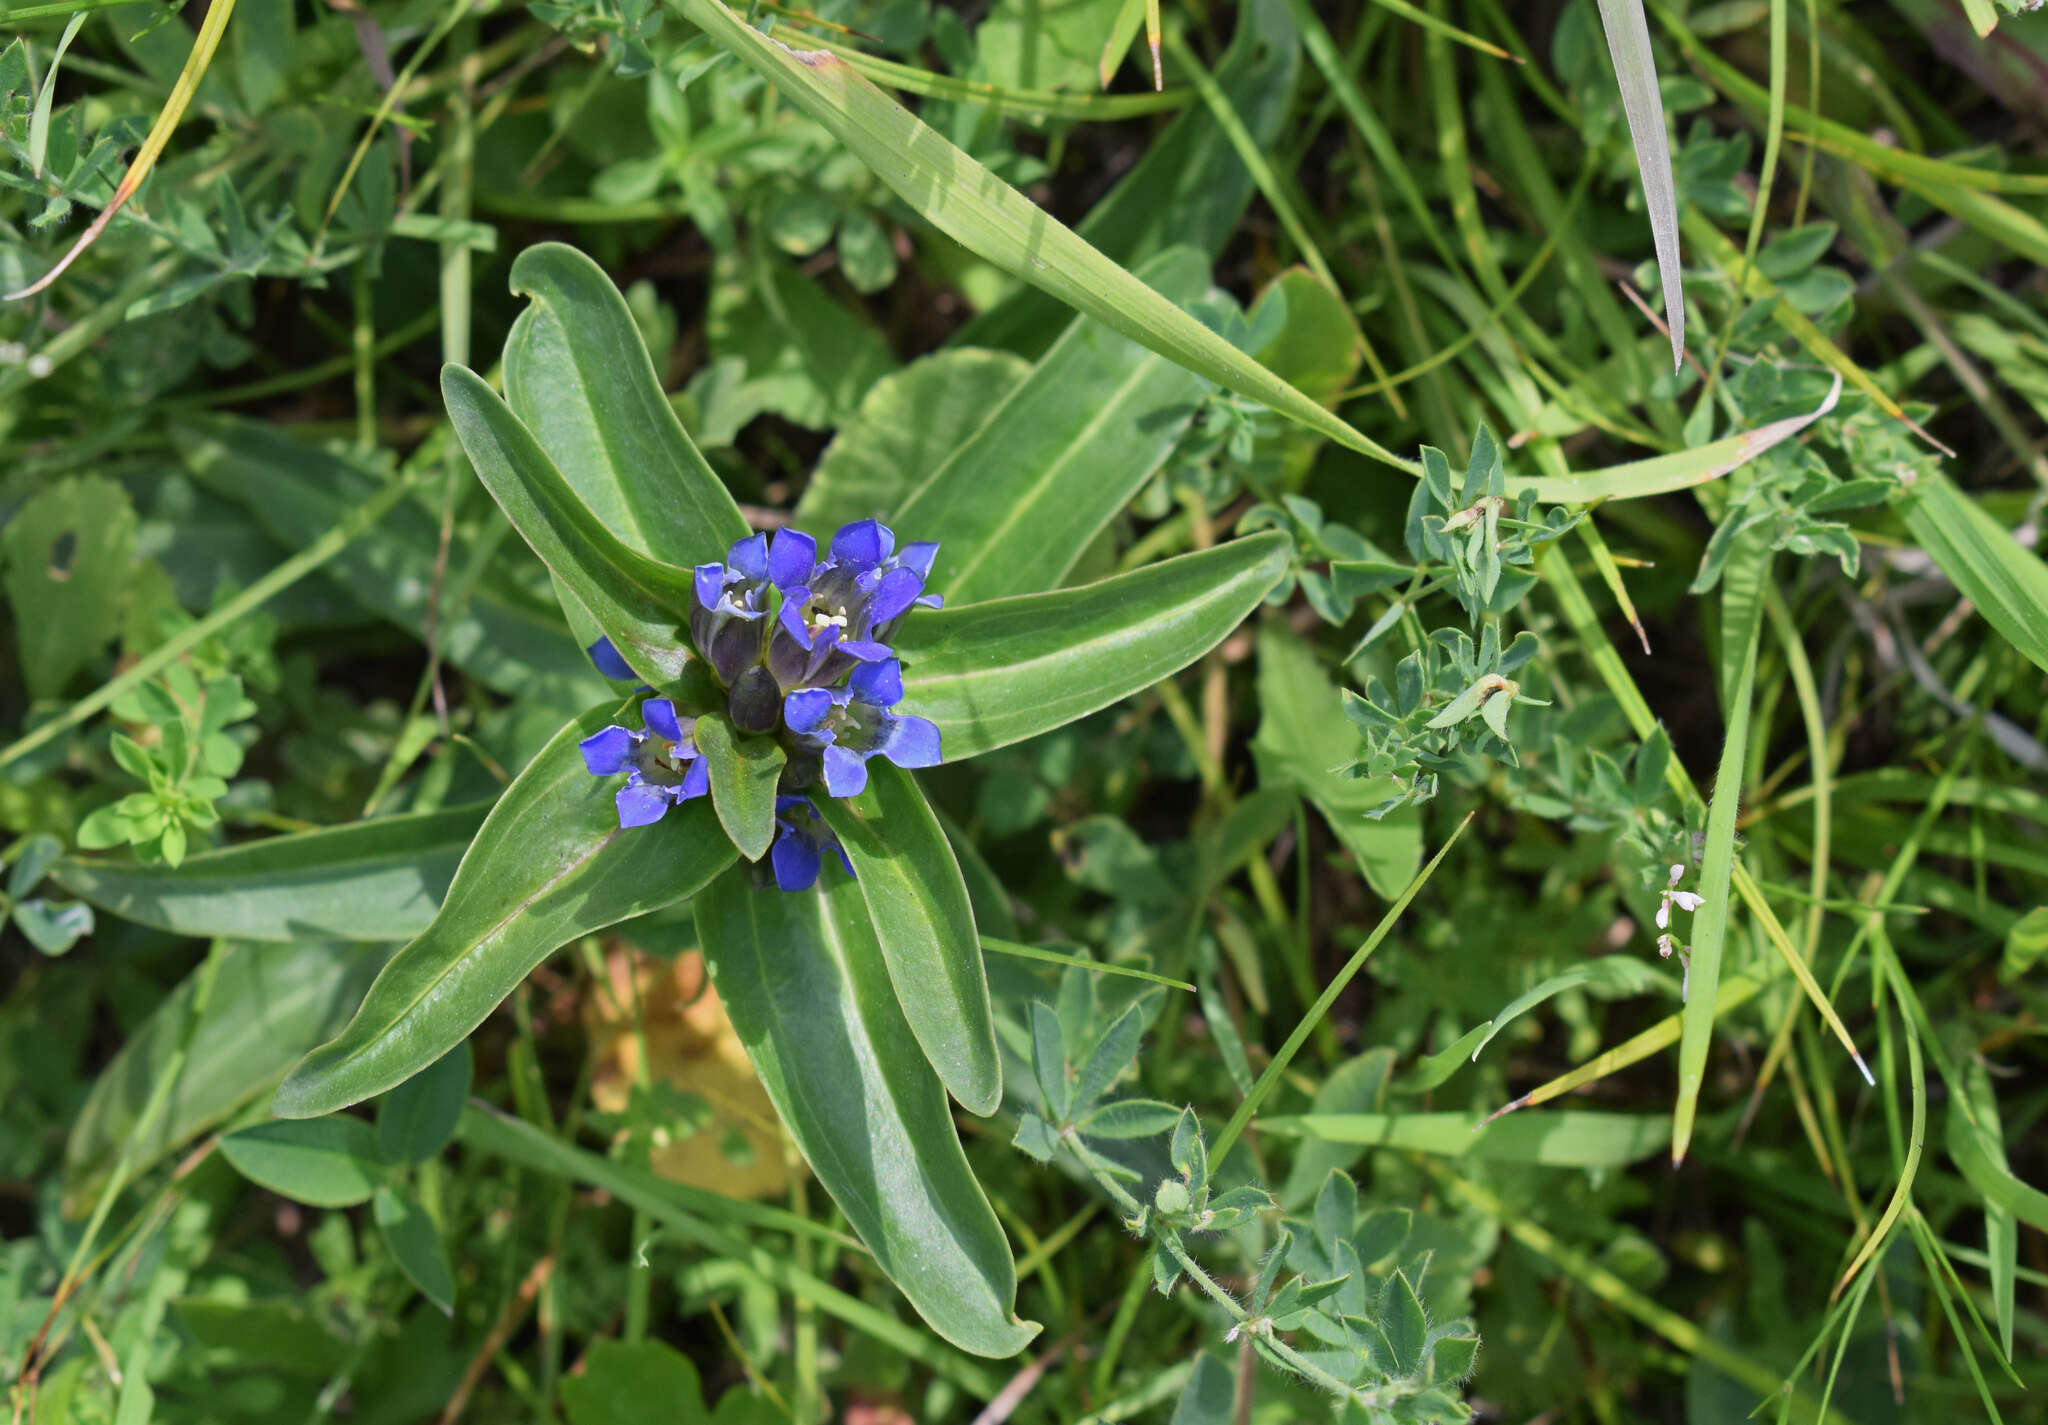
<point>731,599</point>
<point>838,612</point>
<point>661,764</point>
<point>801,840</point>
<point>846,726</point>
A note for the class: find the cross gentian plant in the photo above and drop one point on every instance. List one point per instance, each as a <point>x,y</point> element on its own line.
<point>774,675</point>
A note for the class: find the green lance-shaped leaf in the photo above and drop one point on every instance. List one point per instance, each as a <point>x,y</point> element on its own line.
<point>994,221</point>
<point>577,373</point>
<point>269,1005</point>
<point>2006,582</point>
<point>549,864</point>
<point>995,673</point>
<point>368,880</point>
<point>803,981</point>
<point>641,604</point>
<point>325,1162</point>
<point>918,902</point>
<point>1635,70</point>
<point>1020,499</point>
<point>744,771</point>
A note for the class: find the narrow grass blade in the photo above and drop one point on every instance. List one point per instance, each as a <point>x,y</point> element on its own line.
<point>1121,32</point>
<point>1321,1007</point>
<point>1563,1138</point>
<point>1741,630</point>
<point>965,201</point>
<point>1002,98</point>
<point>1093,967</point>
<point>1903,1193</point>
<point>39,121</point>
<point>1635,70</point>
<point>203,45</point>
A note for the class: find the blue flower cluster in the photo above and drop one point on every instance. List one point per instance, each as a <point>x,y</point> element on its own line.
<point>799,645</point>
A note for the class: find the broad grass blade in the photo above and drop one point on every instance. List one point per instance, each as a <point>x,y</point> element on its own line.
<point>2007,583</point>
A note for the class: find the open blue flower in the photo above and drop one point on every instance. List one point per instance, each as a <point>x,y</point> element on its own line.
<point>846,726</point>
<point>838,612</point>
<point>801,840</point>
<point>731,599</point>
<point>661,764</point>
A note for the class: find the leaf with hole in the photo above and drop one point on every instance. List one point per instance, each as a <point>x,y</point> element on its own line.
<point>67,554</point>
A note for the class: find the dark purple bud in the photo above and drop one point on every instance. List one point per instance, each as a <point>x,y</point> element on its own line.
<point>756,703</point>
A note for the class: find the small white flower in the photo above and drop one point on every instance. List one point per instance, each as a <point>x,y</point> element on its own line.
<point>1686,900</point>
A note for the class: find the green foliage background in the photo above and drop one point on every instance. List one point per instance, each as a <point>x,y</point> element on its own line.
<point>1496,877</point>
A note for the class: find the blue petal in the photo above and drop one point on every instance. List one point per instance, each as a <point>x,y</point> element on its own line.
<point>804,710</point>
<point>697,778</point>
<point>896,592</point>
<point>840,851</point>
<point>710,584</point>
<point>785,805</point>
<point>641,804</point>
<point>793,601</point>
<point>796,861</point>
<point>609,751</point>
<point>846,772</point>
<point>910,741</point>
<point>605,654</point>
<point>931,601</point>
<point>867,650</point>
<point>919,556</point>
<point>879,684</point>
<point>660,716</point>
<point>864,543</point>
<point>749,556</point>
<point>791,559</point>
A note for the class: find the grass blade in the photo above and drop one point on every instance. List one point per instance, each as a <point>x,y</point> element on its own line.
<point>1710,926</point>
<point>203,45</point>
<point>1328,997</point>
<point>962,199</point>
<point>1635,70</point>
